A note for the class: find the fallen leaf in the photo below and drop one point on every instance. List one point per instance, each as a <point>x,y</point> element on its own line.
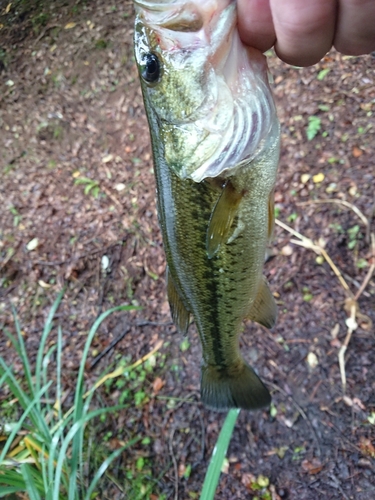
<point>287,250</point>
<point>43,284</point>
<point>312,467</point>
<point>157,384</point>
<point>335,330</point>
<point>69,26</point>
<point>107,158</point>
<point>312,360</point>
<point>305,178</point>
<point>367,447</point>
<point>348,401</point>
<point>359,403</point>
<point>356,152</point>
<point>225,466</point>
<point>32,244</point>
<point>318,178</point>
<point>331,188</point>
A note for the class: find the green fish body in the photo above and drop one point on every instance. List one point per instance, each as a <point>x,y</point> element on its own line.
<point>215,142</point>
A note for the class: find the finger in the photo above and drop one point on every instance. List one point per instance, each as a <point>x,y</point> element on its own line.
<point>355,31</point>
<point>304,29</point>
<point>255,24</point>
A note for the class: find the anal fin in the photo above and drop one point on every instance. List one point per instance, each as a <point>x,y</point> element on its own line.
<point>263,310</point>
<point>222,218</point>
<point>180,315</point>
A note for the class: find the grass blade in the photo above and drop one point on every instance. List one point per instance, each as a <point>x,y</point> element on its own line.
<point>106,464</point>
<point>18,426</point>
<point>78,400</point>
<point>43,340</point>
<point>213,472</point>
<point>30,482</point>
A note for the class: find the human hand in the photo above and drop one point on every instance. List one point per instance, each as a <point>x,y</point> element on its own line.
<point>303,31</point>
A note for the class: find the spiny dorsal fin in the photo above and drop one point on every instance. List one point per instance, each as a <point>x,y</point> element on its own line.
<point>222,218</point>
<point>180,315</point>
<point>263,310</point>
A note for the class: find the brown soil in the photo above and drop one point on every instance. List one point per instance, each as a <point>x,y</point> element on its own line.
<point>71,117</point>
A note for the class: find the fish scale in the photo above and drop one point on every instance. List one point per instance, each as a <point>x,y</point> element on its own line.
<point>215,227</point>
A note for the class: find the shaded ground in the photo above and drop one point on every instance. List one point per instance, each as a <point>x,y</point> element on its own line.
<point>77,185</point>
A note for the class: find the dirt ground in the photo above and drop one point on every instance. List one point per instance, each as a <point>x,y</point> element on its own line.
<point>78,210</point>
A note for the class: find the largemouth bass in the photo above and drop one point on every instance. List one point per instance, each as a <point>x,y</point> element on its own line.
<point>215,141</point>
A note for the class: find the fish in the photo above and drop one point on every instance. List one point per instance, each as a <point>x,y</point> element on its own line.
<point>215,139</point>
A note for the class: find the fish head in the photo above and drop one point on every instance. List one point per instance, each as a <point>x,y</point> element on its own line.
<point>207,96</point>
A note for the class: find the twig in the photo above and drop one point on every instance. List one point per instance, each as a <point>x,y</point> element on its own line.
<point>351,322</point>
<point>370,218</point>
<point>115,341</point>
<point>338,202</point>
<point>370,271</point>
<point>309,244</point>
<point>47,28</point>
<point>352,326</point>
<point>122,369</point>
<point>120,206</point>
<point>110,347</point>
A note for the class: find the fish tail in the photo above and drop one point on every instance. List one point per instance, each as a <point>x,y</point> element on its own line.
<point>233,386</point>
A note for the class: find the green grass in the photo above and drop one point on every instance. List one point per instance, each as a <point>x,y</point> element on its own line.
<point>218,455</point>
<point>45,452</point>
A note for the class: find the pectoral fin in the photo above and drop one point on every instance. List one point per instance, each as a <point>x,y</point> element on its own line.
<point>222,218</point>
<point>264,310</point>
<point>180,315</point>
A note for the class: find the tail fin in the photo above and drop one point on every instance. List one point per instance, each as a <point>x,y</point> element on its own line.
<point>235,386</point>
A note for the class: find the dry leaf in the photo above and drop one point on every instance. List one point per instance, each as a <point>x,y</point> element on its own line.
<point>367,447</point>
<point>69,26</point>
<point>318,178</point>
<point>157,385</point>
<point>43,284</point>
<point>312,360</point>
<point>287,250</point>
<point>32,244</point>
<point>356,152</point>
<point>312,467</point>
<point>107,158</point>
<point>335,330</point>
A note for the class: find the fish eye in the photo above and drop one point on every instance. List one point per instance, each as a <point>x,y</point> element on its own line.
<point>150,68</point>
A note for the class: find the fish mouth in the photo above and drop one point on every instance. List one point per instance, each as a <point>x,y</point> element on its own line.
<point>231,124</point>
<point>155,6</point>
